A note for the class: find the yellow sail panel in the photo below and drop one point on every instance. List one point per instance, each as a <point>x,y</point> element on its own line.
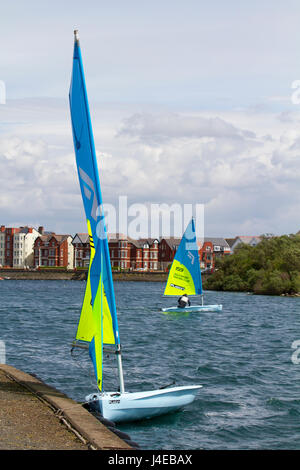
<point>180,280</point>
<point>108,332</point>
<point>96,347</point>
<point>85,330</point>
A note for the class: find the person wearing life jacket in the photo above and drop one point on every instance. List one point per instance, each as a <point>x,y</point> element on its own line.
<point>183,301</point>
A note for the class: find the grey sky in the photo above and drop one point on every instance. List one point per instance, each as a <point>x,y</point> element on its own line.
<point>190,102</point>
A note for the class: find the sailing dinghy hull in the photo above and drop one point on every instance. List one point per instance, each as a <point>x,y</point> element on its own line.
<point>124,407</point>
<point>194,308</point>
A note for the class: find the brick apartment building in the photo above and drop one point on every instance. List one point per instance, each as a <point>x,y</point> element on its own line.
<point>145,254</point>
<point>125,253</point>
<point>53,250</point>
<point>209,250</point>
<point>167,251</point>
<point>16,246</point>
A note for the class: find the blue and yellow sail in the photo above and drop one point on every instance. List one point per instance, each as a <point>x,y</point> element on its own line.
<point>98,320</point>
<point>185,274</point>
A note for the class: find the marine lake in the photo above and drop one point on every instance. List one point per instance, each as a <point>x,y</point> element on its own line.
<point>243,357</point>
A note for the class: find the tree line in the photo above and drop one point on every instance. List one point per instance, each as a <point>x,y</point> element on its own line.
<point>272,267</point>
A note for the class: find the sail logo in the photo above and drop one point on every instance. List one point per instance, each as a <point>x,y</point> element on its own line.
<point>2,92</point>
<point>89,189</point>
<point>191,256</point>
<point>177,287</point>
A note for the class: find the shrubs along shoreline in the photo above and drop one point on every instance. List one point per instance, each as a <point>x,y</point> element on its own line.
<point>270,268</point>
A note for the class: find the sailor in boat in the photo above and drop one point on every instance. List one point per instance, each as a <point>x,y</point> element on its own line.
<point>183,301</point>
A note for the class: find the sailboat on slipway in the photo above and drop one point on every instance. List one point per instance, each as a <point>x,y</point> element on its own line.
<point>98,324</point>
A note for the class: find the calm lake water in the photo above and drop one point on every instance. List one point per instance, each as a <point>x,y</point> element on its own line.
<point>242,356</point>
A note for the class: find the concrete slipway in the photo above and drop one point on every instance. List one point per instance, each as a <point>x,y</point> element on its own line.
<point>36,416</point>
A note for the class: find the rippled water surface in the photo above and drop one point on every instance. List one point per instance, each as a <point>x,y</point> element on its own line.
<point>242,356</point>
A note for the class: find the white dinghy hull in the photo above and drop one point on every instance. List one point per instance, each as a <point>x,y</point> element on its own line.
<point>123,407</point>
<point>195,308</point>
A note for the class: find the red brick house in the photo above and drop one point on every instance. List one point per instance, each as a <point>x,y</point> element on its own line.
<point>119,251</point>
<point>145,254</point>
<point>208,251</point>
<point>167,251</point>
<point>125,253</point>
<point>211,249</point>
<point>130,254</point>
<point>54,250</point>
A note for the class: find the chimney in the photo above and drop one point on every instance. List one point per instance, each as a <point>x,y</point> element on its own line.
<point>41,230</point>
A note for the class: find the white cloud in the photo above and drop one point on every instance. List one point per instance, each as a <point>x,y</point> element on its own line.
<point>244,166</point>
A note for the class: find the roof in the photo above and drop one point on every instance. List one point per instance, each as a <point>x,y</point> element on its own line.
<point>247,238</point>
<point>116,237</point>
<point>230,241</point>
<point>59,238</point>
<point>216,241</point>
<point>83,237</point>
<point>172,241</point>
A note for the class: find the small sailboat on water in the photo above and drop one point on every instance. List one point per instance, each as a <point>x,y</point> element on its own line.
<point>185,274</point>
<point>98,324</point>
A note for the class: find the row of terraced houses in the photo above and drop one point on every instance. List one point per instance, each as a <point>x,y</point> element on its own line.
<point>26,247</point>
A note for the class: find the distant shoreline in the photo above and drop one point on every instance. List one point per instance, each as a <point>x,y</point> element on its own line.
<point>77,275</point>
<point>81,274</point>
